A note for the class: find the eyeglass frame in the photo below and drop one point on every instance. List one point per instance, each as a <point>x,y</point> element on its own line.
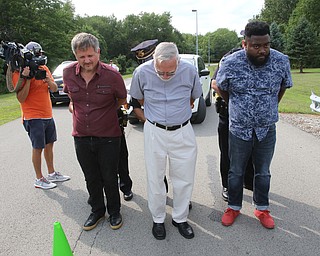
<point>169,74</point>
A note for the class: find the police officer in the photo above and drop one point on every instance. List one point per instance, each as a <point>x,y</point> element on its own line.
<point>123,167</point>
<point>223,135</point>
<point>143,52</point>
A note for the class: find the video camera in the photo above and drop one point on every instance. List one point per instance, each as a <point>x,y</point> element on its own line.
<point>19,57</point>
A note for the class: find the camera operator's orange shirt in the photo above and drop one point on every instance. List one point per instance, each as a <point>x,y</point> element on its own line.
<point>37,104</point>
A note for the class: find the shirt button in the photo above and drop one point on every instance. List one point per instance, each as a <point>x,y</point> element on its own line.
<point>87,105</point>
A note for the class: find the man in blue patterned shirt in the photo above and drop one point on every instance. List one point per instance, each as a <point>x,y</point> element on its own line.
<point>253,82</point>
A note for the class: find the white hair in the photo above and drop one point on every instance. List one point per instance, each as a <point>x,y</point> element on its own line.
<point>166,51</point>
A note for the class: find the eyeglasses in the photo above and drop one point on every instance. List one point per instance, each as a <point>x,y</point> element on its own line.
<point>165,73</point>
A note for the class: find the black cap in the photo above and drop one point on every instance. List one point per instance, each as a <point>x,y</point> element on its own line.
<point>145,49</point>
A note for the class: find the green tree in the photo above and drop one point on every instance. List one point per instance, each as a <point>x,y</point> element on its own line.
<point>145,26</point>
<point>311,10</point>
<point>32,20</point>
<point>109,28</point>
<point>277,38</point>
<point>189,45</point>
<point>300,42</point>
<point>222,41</point>
<point>278,11</point>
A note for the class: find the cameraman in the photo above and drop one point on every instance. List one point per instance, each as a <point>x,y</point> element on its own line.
<point>37,117</point>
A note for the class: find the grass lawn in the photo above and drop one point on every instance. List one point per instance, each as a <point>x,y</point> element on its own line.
<point>295,100</point>
<point>9,108</point>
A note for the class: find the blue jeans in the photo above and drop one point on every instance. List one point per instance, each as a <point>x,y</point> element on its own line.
<point>262,153</point>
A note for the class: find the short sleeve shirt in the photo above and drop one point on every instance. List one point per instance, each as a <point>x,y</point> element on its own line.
<point>253,92</point>
<point>37,104</point>
<point>166,102</point>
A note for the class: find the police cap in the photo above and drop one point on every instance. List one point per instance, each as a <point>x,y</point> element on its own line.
<point>145,49</point>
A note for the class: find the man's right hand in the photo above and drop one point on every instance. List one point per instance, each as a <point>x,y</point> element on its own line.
<point>26,72</point>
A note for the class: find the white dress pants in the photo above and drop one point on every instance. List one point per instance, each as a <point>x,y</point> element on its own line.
<point>179,149</point>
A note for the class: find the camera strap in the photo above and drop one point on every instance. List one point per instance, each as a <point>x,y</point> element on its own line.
<point>9,82</point>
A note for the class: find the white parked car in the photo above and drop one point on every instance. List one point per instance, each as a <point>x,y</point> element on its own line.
<point>200,104</point>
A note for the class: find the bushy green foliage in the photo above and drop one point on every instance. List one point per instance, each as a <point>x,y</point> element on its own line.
<point>300,42</point>
<point>222,41</point>
<point>277,38</point>
<point>278,11</point>
<point>53,24</point>
<point>2,78</point>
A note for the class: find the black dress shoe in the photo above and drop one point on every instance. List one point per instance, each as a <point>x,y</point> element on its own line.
<point>115,221</point>
<point>225,195</point>
<point>93,221</point>
<point>128,196</point>
<point>159,231</point>
<point>184,229</point>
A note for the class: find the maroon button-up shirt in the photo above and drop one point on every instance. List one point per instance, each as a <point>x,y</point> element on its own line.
<point>95,105</point>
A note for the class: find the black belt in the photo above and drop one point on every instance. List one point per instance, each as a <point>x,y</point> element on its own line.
<point>169,128</point>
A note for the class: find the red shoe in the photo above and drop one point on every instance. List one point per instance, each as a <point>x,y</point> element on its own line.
<point>265,218</point>
<point>229,217</point>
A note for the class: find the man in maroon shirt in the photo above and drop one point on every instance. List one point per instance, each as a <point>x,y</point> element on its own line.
<point>96,91</point>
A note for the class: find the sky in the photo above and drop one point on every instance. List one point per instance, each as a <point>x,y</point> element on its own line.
<point>211,15</point>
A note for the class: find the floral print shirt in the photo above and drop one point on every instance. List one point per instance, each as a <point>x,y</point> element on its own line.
<point>253,92</point>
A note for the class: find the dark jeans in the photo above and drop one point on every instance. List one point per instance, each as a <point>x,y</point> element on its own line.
<point>262,153</point>
<point>125,180</point>
<point>99,158</point>
<point>223,137</point>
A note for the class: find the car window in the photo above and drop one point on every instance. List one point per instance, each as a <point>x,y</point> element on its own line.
<point>201,65</point>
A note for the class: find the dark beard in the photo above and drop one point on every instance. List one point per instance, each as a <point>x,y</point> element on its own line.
<point>257,62</point>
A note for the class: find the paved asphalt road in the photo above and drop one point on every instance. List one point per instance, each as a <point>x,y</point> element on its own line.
<point>28,214</point>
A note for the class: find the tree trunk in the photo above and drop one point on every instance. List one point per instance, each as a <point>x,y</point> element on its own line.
<point>301,67</point>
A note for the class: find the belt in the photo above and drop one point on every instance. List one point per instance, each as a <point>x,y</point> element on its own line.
<point>169,128</point>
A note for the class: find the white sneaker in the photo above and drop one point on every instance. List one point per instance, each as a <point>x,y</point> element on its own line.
<point>57,176</point>
<point>44,183</point>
